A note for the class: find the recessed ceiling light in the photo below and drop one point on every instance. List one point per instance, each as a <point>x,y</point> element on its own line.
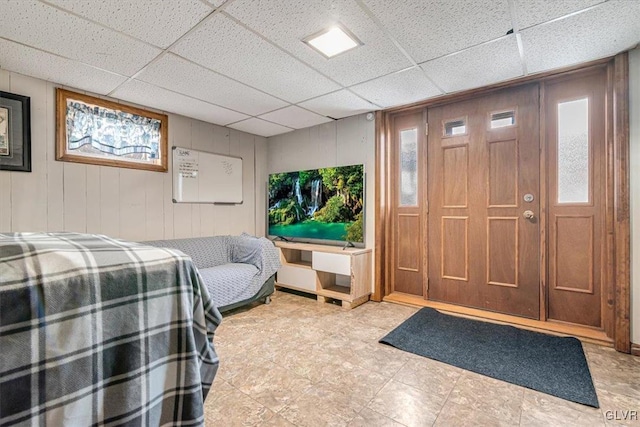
<point>333,41</point>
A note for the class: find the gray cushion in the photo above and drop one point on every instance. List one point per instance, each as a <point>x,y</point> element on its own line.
<point>246,249</point>
<point>230,283</point>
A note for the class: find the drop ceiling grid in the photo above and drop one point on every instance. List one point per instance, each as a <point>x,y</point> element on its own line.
<point>338,105</point>
<point>587,33</point>
<point>295,117</point>
<point>377,56</point>
<point>143,93</point>
<point>428,29</point>
<point>260,127</point>
<point>533,12</point>
<point>284,71</point>
<point>230,49</point>
<point>157,23</point>
<point>481,65</point>
<point>47,28</point>
<point>28,61</point>
<point>404,87</point>
<point>179,75</point>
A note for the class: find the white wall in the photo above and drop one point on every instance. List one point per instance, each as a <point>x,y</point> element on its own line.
<point>125,203</point>
<point>343,142</point>
<point>634,130</point>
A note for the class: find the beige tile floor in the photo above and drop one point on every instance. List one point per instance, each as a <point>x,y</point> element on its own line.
<point>296,362</point>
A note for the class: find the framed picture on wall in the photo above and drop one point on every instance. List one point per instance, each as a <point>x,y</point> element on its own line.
<point>100,132</point>
<point>15,132</point>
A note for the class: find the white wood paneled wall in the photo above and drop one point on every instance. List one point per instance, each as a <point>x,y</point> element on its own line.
<point>124,203</point>
<point>346,141</point>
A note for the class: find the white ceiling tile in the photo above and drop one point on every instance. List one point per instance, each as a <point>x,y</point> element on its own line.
<point>28,61</point>
<point>378,55</point>
<point>295,117</point>
<point>602,31</point>
<point>156,22</point>
<point>432,28</point>
<point>55,31</point>
<point>180,75</point>
<point>142,93</point>
<point>481,65</point>
<point>228,48</point>
<point>400,88</point>
<point>260,127</point>
<point>339,104</point>
<point>532,12</point>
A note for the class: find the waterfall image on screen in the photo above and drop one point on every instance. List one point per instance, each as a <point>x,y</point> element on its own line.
<point>319,204</point>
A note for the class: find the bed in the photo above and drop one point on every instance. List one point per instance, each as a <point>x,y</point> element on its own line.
<point>98,331</point>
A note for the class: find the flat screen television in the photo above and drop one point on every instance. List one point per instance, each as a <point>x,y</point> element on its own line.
<point>323,205</point>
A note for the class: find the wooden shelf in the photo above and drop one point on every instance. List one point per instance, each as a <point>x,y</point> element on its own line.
<point>302,264</point>
<point>338,292</point>
<point>329,272</point>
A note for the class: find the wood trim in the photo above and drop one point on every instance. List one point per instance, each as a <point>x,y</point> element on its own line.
<point>609,282</point>
<point>544,271</point>
<point>380,215</point>
<point>584,333</point>
<point>62,154</point>
<point>622,236</point>
<point>635,349</point>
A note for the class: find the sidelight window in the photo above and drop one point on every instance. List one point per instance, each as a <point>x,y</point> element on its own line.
<point>573,151</point>
<point>409,167</point>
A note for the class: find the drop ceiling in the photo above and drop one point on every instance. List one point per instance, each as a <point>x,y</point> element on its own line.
<point>242,63</point>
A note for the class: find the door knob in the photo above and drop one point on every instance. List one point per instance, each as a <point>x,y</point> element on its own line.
<point>528,215</point>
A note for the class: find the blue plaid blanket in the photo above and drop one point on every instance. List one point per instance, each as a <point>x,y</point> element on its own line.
<point>96,331</point>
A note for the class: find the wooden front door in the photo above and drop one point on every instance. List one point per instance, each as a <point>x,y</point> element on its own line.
<point>484,202</point>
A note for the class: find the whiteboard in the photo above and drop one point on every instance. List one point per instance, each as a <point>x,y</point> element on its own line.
<point>201,177</point>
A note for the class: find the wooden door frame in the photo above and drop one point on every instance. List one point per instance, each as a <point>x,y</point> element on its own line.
<point>618,282</point>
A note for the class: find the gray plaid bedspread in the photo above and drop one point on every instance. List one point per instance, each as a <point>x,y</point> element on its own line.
<point>97,331</point>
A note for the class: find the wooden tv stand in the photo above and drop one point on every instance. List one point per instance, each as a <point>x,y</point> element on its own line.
<point>330,272</point>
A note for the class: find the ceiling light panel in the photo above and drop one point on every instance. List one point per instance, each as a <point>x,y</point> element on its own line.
<point>603,31</point>
<point>432,28</point>
<point>532,12</point>
<point>295,117</point>
<point>286,23</point>
<point>28,61</point>
<point>180,75</point>
<point>478,66</point>
<point>332,42</point>
<point>157,22</point>
<point>230,49</point>
<point>216,3</point>
<point>339,104</point>
<point>142,93</point>
<point>399,88</point>
<point>47,28</point>
<point>260,127</point>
